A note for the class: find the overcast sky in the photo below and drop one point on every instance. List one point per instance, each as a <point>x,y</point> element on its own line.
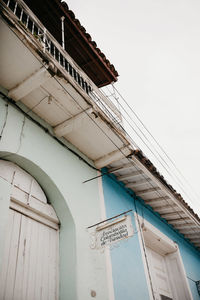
<point>155,47</point>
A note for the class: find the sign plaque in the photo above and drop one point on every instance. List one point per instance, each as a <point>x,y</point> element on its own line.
<point>113,232</point>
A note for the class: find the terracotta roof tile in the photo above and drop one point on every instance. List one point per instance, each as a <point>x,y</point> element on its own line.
<point>149,165</point>
<point>88,36</point>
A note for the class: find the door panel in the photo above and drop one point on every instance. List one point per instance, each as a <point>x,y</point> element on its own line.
<point>178,280</point>
<point>30,265</point>
<point>159,274</point>
<point>8,268</point>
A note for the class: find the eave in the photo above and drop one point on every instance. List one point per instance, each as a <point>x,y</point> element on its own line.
<point>78,43</point>
<point>139,175</point>
<point>77,111</point>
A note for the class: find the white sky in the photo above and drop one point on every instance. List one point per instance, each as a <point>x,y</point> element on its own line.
<point>155,47</point>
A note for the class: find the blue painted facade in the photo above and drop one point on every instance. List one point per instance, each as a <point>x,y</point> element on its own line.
<point>128,272</point>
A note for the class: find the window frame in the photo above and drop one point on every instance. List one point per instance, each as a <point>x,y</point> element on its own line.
<point>163,242</point>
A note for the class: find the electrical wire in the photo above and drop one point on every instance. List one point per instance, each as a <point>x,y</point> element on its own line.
<point>161,195</point>
<point>116,91</point>
<point>78,104</point>
<point>111,176</point>
<point>9,100</point>
<point>132,194</point>
<point>151,135</point>
<point>174,177</point>
<point>170,172</point>
<point>192,279</point>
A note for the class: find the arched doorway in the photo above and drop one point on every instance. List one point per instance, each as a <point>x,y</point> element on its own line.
<point>31,249</point>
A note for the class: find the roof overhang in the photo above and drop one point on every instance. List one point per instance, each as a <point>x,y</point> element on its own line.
<point>139,175</point>
<point>34,76</point>
<point>78,43</point>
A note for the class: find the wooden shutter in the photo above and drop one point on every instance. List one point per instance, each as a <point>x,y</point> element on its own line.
<point>30,264</point>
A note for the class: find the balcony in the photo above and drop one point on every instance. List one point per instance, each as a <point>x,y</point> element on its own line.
<point>30,22</point>
<point>42,78</point>
<point>39,73</point>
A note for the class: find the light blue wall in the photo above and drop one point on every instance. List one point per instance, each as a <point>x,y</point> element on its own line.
<point>60,173</point>
<point>127,266</point>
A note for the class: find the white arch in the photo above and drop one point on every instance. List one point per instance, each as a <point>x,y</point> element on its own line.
<point>21,179</point>
<point>67,231</point>
<point>26,195</point>
<point>30,264</point>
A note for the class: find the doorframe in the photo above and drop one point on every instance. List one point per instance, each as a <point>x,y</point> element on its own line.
<point>143,225</point>
<point>55,196</point>
<point>35,214</point>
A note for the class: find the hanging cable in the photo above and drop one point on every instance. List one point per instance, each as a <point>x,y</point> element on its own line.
<point>170,173</point>
<point>93,120</point>
<point>78,104</point>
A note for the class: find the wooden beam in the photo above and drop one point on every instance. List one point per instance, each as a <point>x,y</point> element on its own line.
<point>88,47</point>
<point>122,168</point>
<point>196,243</point>
<point>192,235</point>
<point>194,238</point>
<point>159,200</point>
<point>174,215</point>
<point>29,84</point>
<point>147,191</point>
<point>72,124</point>
<point>186,225</point>
<point>112,157</point>
<point>188,231</point>
<point>164,208</point>
<point>129,176</point>
<point>179,221</point>
<point>134,184</point>
<point>167,190</point>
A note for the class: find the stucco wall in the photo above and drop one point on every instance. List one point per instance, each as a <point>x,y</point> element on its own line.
<point>61,174</point>
<point>127,265</point>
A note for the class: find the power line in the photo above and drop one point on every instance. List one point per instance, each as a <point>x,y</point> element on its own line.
<point>93,120</point>
<point>170,172</point>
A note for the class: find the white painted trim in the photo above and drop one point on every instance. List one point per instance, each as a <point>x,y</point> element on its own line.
<point>184,273</point>
<point>35,215</point>
<point>157,232</point>
<point>123,167</point>
<point>130,176</point>
<point>29,84</point>
<point>166,190</point>
<point>111,294</point>
<point>73,123</point>
<point>112,157</point>
<point>58,266</point>
<point>165,240</point>
<point>106,225</point>
<point>141,241</point>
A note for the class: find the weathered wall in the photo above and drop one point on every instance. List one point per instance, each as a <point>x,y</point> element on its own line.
<point>127,265</point>
<point>61,174</point>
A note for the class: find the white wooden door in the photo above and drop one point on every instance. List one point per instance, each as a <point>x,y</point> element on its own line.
<point>159,275</point>
<point>30,262</point>
<point>177,278</point>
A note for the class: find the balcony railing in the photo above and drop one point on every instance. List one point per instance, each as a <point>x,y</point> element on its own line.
<point>49,44</point>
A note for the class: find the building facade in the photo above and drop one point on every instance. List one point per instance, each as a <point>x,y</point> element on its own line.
<point>83,214</point>
<point>156,260</point>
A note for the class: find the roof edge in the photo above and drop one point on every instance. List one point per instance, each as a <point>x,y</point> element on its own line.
<point>63,5</point>
<point>152,169</point>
